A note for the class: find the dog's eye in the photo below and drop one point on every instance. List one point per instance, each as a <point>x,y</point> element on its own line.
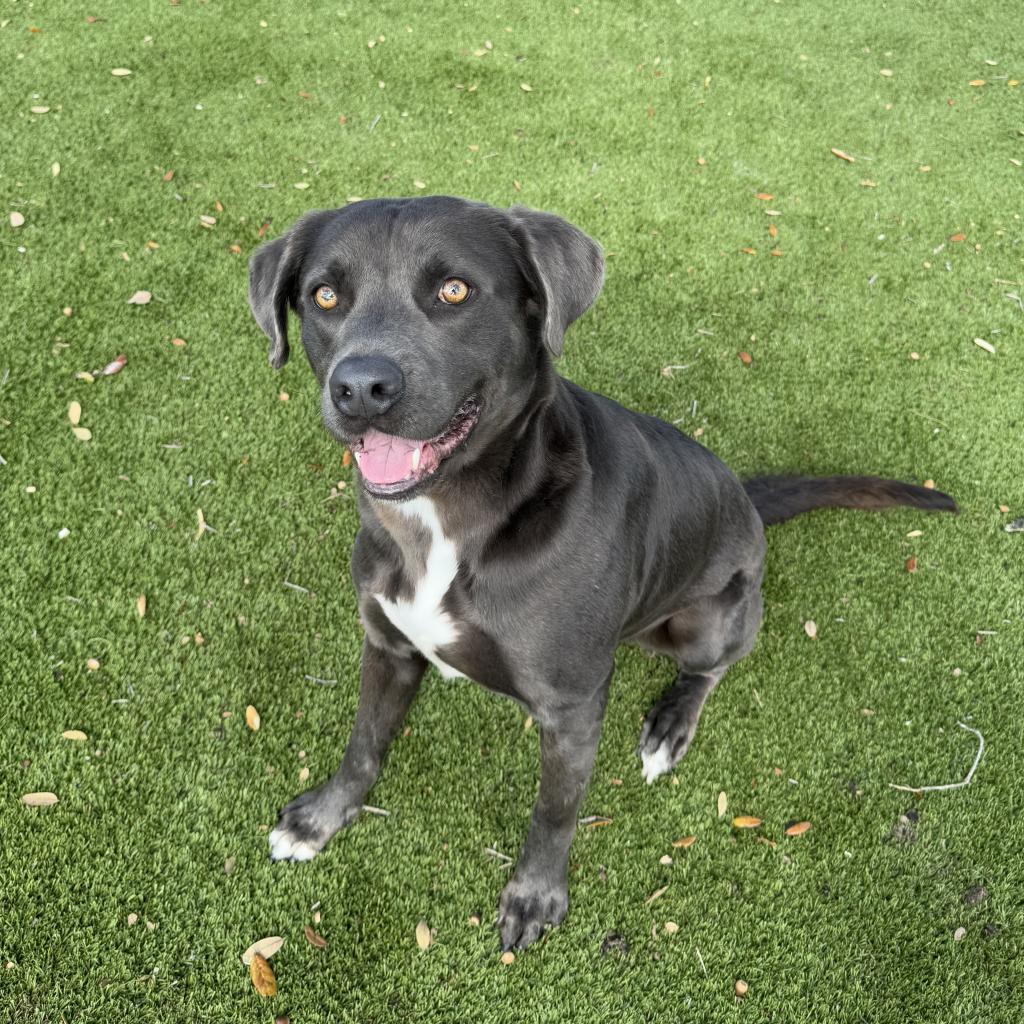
<point>454,291</point>
<point>325,297</point>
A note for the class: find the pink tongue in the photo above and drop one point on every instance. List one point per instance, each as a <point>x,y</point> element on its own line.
<point>386,459</point>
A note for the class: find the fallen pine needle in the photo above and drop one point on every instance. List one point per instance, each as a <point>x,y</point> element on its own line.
<point>703,966</point>
<point>950,785</point>
<point>654,895</point>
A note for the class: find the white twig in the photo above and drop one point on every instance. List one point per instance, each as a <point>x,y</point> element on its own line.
<point>322,682</point>
<point>950,785</point>
<point>376,810</point>
<point>295,586</point>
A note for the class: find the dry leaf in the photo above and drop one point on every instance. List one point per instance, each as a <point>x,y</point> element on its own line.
<point>75,413</point>
<point>92,665</point>
<point>741,988</point>
<point>266,948</point>
<point>798,829</point>
<point>886,72</point>
<point>120,72</point>
<point>745,358</point>
<point>82,433</point>
<point>744,821</point>
<point>525,87</point>
<point>423,934</point>
<point>656,894</point>
<point>911,564</point>
<point>773,231</point>
<point>929,483</point>
<point>764,196</point>
<point>811,628</point>
<point>252,718</point>
<point>39,110</point>
<point>74,734</point>
<point>140,606</point>
<point>671,927</point>
<point>665,860</point>
<point>169,176</point>
<point>140,298</point>
<point>313,938</point>
<point>114,366</point>
<point>976,81</point>
<point>132,919</point>
<point>1002,508</point>
<point>986,345</point>
<point>775,252</point>
<point>749,251</point>
<point>303,774</point>
<point>16,219</point>
<point>723,804</point>
<point>685,843</point>
<point>87,377</point>
<point>263,979</point>
<point>39,799</point>
<point>958,237</point>
<point>868,183</point>
<point>346,459</point>
<point>508,957</point>
<point>842,156</point>
<point>206,220</point>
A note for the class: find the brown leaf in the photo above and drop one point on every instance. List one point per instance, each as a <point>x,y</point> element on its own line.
<point>976,82</point>
<point>39,799</point>
<point>958,237</point>
<point>798,829</point>
<point>749,251</point>
<point>178,342</point>
<point>264,227</point>
<point>685,843</point>
<point>313,938</point>
<point>169,176</point>
<point>764,196</point>
<point>773,231</point>
<point>745,358</point>
<point>744,821</point>
<point>252,718</point>
<point>266,948</point>
<point>262,976</point>
<point>911,564</point>
<point>842,156</point>
<point>346,458</point>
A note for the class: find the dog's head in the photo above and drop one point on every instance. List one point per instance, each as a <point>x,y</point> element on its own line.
<point>426,322</point>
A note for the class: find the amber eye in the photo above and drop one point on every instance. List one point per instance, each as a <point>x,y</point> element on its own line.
<point>325,297</point>
<point>454,291</point>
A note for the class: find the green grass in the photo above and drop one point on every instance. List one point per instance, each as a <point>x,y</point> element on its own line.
<point>844,923</point>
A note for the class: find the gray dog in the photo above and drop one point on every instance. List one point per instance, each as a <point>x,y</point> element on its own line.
<point>515,527</point>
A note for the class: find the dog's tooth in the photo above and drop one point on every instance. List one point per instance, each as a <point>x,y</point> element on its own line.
<point>416,453</point>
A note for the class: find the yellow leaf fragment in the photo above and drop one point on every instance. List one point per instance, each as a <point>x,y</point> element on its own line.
<point>685,843</point>
<point>798,829</point>
<point>74,734</point>
<point>82,433</point>
<point>262,976</point>
<point>723,804</point>
<point>508,957</point>
<point>140,606</point>
<point>842,156</point>
<point>252,718</point>
<point>811,628</point>
<point>75,413</point>
<point>423,937</point>
<point>745,821</point>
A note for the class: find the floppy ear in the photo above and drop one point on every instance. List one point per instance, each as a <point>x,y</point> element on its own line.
<point>272,271</point>
<point>566,267</point>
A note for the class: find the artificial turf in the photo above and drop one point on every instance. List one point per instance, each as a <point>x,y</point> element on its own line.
<point>654,127</point>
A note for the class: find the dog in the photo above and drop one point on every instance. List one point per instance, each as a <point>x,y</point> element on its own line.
<point>515,528</point>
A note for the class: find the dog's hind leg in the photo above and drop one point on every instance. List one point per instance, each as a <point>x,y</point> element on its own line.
<point>705,638</point>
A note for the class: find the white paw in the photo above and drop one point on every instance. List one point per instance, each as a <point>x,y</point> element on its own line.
<point>286,846</point>
<point>655,764</point>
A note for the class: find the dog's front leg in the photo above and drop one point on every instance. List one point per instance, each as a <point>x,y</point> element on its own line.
<point>538,893</point>
<point>387,686</point>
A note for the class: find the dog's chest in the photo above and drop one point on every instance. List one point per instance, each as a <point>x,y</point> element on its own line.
<point>422,618</point>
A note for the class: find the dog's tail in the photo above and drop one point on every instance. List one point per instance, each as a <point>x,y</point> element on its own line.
<point>778,498</point>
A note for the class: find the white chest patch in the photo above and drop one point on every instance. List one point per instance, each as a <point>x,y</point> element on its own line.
<point>427,625</point>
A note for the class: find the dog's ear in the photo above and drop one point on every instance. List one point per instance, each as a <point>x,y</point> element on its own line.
<point>565,267</point>
<point>273,274</point>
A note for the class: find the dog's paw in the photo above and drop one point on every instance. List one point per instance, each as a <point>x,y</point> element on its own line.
<point>666,736</point>
<point>306,824</point>
<point>526,907</point>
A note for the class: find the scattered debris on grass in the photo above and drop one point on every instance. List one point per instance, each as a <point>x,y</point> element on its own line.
<point>423,936</point>
<point>797,828</point>
<point>986,345</point>
<point>252,718</point>
<point>741,988</point>
<point>508,957</point>
<point>140,606</point>
<point>75,735</point>
<point>671,927</point>
<point>140,298</point>
<point>975,895</point>
<point>950,785</point>
<point>313,937</point>
<point>657,894</point>
<point>903,830</point>
<point>843,156</point>
<point>594,821</point>
<point>811,628</point>
<point>1017,526</point>
<point>473,921</point>
<point>959,934</point>
<point>685,843</point>
<point>665,860</point>
<point>911,564</point>
<point>723,804</point>
<point>745,821</point>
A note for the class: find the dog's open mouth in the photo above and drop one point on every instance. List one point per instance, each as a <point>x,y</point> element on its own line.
<point>390,465</point>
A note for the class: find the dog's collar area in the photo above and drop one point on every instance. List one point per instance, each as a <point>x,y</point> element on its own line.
<point>392,465</point>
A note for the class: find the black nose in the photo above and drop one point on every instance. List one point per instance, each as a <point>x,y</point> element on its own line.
<point>366,385</point>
